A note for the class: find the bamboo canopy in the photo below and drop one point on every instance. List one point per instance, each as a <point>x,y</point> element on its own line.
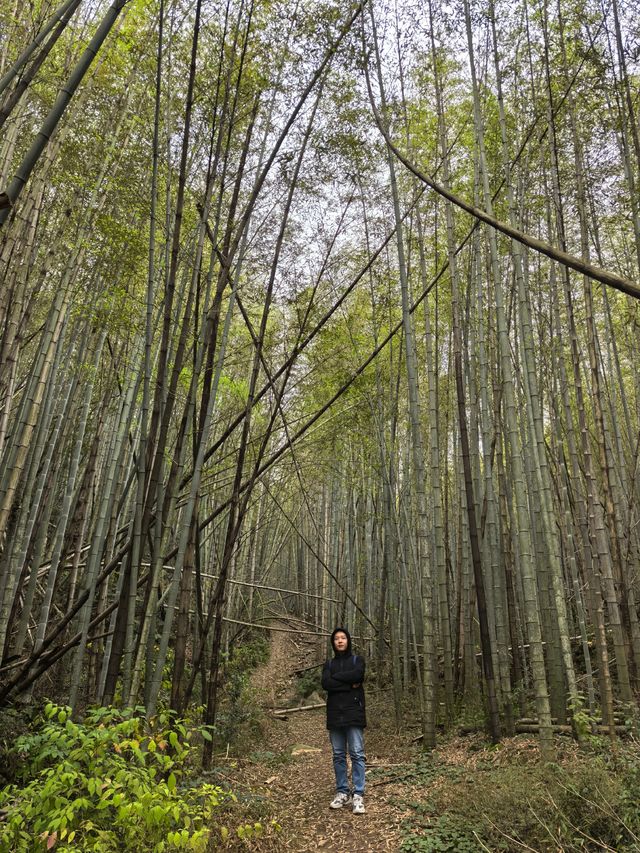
<point>328,317</point>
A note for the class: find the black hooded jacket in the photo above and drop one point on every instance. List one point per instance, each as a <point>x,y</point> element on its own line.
<point>345,703</point>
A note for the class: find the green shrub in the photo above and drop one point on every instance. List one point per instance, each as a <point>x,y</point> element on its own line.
<point>110,783</point>
<point>249,654</point>
<point>239,717</point>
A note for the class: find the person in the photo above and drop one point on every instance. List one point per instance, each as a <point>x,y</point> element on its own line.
<point>342,678</point>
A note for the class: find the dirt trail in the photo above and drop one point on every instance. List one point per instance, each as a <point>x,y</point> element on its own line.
<point>298,788</point>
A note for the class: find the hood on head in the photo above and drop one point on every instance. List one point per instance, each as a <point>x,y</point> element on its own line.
<point>344,631</point>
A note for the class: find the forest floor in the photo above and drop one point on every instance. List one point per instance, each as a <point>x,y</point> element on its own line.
<point>466,796</point>
<point>290,774</point>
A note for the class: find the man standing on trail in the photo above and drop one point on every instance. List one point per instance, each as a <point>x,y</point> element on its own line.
<point>342,678</point>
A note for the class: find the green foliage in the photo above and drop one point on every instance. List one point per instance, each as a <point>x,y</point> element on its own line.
<point>250,654</point>
<point>112,782</point>
<point>240,716</point>
<point>248,832</point>
<point>582,722</point>
<point>471,713</point>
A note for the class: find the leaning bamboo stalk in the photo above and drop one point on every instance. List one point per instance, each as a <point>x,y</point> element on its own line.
<point>595,510</point>
<point>610,485</point>
<point>239,501</point>
<point>72,475</point>
<point>15,240</point>
<point>98,199</point>
<point>28,76</point>
<point>15,453</point>
<point>163,401</point>
<point>387,454</point>
<point>32,485</point>
<point>46,445</point>
<point>62,15</point>
<point>183,532</point>
<point>187,514</point>
<point>137,544</point>
<point>417,447</point>
<point>15,298</point>
<point>532,613</point>
<point>52,120</point>
<point>557,729</point>
<point>566,259</point>
<point>278,629</point>
<point>438,550</point>
<point>113,463</point>
<point>41,658</point>
<point>534,412</point>
<point>628,94</point>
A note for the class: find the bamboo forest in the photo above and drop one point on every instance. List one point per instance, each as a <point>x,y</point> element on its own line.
<point>319,315</point>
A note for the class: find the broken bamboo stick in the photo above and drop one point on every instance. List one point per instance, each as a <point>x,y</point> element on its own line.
<point>279,711</point>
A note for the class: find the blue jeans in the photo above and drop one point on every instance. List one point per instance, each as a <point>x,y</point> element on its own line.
<point>353,736</point>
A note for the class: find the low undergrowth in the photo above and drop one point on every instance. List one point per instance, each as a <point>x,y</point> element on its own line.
<point>309,682</point>
<point>239,719</point>
<point>112,782</point>
<point>504,799</point>
<point>115,781</point>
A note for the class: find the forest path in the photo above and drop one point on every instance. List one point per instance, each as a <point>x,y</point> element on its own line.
<point>298,788</point>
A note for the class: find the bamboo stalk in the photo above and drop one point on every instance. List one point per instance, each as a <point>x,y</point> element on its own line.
<point>280,711</point>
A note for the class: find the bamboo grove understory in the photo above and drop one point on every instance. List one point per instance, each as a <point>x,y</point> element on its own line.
<point>328,310</point>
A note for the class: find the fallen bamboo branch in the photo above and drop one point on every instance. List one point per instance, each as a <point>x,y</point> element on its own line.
<point>279,711</point>
<point>210,576</point>
<point>276,628</point>
<point>533,721</point>
<point>534,728</point>
<point>286,630</point>
<point>566,730</point>
<point>307,668</point>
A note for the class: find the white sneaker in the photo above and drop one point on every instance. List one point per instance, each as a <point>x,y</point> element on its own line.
<point>341,799</point>
<point>358,804</point>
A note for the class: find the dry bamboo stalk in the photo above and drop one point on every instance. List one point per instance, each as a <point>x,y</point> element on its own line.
<point>279,711</point>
